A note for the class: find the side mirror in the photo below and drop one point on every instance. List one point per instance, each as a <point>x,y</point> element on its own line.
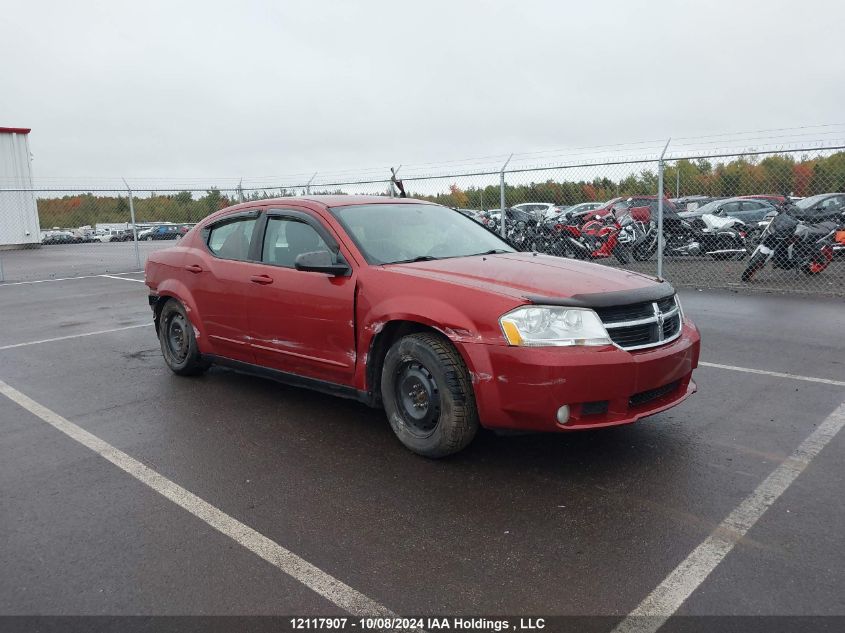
<point>320,262</point>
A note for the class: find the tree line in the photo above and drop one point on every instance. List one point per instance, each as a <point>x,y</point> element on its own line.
<point>775,174</point>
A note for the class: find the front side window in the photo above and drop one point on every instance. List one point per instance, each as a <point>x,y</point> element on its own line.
<point>286,238</point>
<point>232,239</point>
<point>807,203</point>
<point>831,203</point>
<point>396,233</point>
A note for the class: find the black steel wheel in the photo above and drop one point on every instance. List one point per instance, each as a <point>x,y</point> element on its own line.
<point>178,343</point>
<point>428,395</point>
<point>418,397</point>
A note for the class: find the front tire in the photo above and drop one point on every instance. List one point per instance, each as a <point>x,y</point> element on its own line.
<point>756,262</point>
<point>643,252</point>
<point>178,343</point>
<point>428,395</point>
<point>622,254</point>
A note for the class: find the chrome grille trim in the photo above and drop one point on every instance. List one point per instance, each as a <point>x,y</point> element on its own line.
<point>656,323</point>
<point>651,319</point>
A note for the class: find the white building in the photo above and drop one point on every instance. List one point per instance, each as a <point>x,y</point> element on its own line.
<point>18,210</point>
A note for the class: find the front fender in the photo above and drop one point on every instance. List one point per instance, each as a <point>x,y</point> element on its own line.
<point>438,314</point>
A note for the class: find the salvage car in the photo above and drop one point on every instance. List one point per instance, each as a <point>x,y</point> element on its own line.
<point>413,307</point>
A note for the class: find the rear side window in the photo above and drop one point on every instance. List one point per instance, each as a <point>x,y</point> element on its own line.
<point>232,239</point>
<point>285,239</point>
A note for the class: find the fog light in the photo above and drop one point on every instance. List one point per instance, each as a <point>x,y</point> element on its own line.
<point>563,414</point>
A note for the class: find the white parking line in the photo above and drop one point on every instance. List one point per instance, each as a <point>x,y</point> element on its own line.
<point>123,278</point>
<point>670,594</point>
<point>776,374</point>
<point>317,580</point>
<point>44,281</point>
<point>64,338</point>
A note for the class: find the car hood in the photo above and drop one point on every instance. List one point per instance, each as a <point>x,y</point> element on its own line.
<point>528,276</point>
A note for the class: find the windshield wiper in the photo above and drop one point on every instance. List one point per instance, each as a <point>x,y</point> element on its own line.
<point>421,258</point>
<point>493,251</point>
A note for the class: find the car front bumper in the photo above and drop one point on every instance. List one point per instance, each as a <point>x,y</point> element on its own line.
<point>523,388</point>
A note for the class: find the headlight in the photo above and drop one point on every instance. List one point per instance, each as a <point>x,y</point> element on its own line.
<point>549,326</point>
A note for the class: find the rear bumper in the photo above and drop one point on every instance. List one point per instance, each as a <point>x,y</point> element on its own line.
<point>522,388</point>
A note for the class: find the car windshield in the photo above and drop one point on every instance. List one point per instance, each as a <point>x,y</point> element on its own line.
<point>584,206</point>
<point>806,203</point>
<point>398,233</point>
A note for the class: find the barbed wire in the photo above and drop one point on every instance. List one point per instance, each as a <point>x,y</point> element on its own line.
<point>773,140</point>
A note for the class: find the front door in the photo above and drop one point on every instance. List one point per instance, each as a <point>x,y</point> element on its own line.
<point>301,322</point>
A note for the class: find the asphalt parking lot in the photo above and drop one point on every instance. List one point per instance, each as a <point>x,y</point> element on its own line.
<point>588,523</point>
<point>74,260</point>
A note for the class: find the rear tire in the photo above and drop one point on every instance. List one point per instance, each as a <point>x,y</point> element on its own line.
<point>178,342</point>
<point>428,395</point>
<point>819,263</point>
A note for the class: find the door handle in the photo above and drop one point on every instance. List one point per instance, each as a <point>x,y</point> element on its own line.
<point>261,279</point>
<point>193,268</point>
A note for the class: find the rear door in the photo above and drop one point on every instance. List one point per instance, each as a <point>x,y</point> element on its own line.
<point>219,278</point>
<point>301,322</point>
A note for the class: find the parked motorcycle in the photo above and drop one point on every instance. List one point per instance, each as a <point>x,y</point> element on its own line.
<point>522,230</point>
<point>717,237</point>
<point>791,244</point>
<point>598,238</point>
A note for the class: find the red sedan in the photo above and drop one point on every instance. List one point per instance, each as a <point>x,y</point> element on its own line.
<point>415,308</point>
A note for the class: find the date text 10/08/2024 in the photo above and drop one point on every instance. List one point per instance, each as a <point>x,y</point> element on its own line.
<point>429,623</point>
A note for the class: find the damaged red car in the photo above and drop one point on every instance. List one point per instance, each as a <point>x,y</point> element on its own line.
<point>416,308</point>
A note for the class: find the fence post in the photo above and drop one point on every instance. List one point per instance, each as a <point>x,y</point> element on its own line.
<point>134,227</point>
<point>660,239</point>
<point>308,186</point>
<point>502,195</point>
<point>2,278</point>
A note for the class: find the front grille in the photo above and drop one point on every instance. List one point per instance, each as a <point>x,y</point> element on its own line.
<point>644,397</point>
<point>634,335</point>
<point>626,313</point>
<point>667,304</point>
<point>642,325</point>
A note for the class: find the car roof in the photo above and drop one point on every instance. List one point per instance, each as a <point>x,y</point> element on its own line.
<point>341,200</point>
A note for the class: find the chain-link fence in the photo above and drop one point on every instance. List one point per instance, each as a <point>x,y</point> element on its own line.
<point>766,220</point>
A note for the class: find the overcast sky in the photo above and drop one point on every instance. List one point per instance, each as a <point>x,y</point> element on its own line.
<point>187,90</point>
